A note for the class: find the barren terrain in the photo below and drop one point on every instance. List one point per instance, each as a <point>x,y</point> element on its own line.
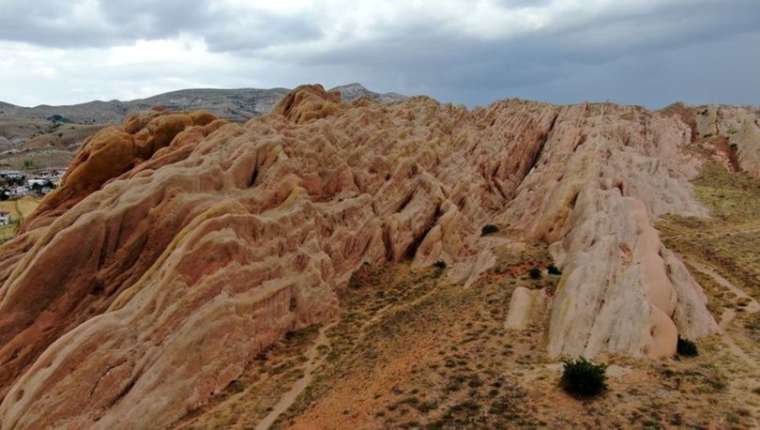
<point>384,264</point>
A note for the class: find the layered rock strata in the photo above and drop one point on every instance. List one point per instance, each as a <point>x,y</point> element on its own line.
<point>179,247</point>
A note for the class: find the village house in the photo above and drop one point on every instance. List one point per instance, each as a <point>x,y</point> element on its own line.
<point>5,218</point>
<point>18,192</point>
<point>11,174</point>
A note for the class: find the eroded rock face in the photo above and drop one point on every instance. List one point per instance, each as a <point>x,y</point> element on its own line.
<point>739,127</point>
<point>144,287</point>
<point>113,151</point>
<point>605,174</point>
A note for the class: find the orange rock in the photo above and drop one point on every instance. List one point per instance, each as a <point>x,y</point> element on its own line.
<point>111,152</point>
<point>308,102</point>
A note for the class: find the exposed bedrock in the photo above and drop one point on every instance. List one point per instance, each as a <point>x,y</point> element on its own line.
<point>179,247</point>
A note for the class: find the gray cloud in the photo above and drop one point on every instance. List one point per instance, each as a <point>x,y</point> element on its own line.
<point>644,52</point>
<point>102,23</point>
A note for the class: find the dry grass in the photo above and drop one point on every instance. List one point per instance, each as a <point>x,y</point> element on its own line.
<point>19,209</point>
<point>26,205</point>
<point>7,232</point>
<point>37,159</point>
<point>441,359</point>
<point>250,398</point>
<point>728,241</point>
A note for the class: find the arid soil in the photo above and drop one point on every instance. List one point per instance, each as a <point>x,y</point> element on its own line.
<point>411,351</point>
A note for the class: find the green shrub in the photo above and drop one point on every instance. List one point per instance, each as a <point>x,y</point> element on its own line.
<point>489,229</point>
<point>583,378</point>
<point>535,273</point>
<point>686,347</point>
<point>236,386</point>
<point>440,265</point>
<point>554,270</point>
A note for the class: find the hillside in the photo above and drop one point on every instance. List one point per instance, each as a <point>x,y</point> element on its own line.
<point>359,264</point>
<point>232,104</point>
<point>47,136</point>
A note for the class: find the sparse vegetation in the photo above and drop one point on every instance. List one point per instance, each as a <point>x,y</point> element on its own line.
<point>753,327</point>
<point>489,229</point>
<point>58,119</point>
<point>440,265</point>
<point>583,378</point>
<point>446,363</point>
<point>535,273</point>
<point>686,348</point>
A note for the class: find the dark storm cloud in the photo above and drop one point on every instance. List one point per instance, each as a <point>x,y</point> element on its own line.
<point>597,40</point>
<point>644,51</point>
<point>703,51</point>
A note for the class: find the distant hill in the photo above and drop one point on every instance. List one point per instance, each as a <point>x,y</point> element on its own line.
<point>354,91</point>
<point>232,104</point>
<point>48,136</point>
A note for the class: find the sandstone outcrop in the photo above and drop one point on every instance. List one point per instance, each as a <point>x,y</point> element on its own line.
<point>179,246</point>
<point>606,172</point>
<point>739,127</point>
<point>113,151</point>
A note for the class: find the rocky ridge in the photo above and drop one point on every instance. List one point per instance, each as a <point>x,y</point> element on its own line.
<point>237,105</point>
<point>190,244</point>
<point>47,136</point>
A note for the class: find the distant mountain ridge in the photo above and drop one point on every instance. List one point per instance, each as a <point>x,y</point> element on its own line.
<point>232,104</point>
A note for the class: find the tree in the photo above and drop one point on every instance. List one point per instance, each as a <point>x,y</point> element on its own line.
<point>583,378</point>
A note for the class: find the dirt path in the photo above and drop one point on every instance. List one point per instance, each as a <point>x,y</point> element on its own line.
<point>731,230</point>
<point>729,314</point>
<point>752,306</point>
<point>314,360</point>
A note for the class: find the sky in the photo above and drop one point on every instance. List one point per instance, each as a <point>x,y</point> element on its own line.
<point>646,52</point>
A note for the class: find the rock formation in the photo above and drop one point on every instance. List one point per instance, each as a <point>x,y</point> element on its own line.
<point>737,127</point>
<point>116,150</point>
<point>180,246</point>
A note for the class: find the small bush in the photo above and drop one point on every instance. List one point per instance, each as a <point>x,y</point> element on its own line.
<point>440,265</point>
<point>535,273</point>
<point>583,378</point>
<point>236,387</point>
<point>489,229</point>
<point>686,348</point>
<point>554,270</point>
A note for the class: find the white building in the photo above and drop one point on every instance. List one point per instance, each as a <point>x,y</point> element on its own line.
<point>11,175</point>
<point>40,182</point>
<point>20,191</point>
<point>5,218</point>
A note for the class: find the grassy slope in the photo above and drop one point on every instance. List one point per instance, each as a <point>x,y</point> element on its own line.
<point>18,209</point>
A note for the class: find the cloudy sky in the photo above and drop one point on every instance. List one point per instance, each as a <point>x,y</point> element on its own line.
<point>649,52</point>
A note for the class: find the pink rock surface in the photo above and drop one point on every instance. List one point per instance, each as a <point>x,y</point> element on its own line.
<point>145,294</point>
